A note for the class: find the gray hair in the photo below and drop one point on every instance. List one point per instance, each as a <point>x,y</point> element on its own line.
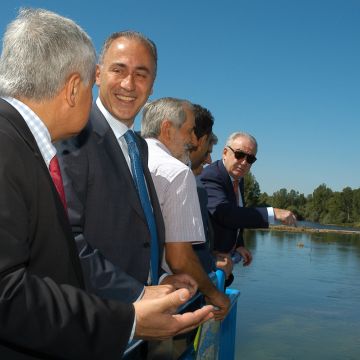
<point>40,50</point>
<point>155,112</point>
<point>131,35</point>
<point>237,134</point>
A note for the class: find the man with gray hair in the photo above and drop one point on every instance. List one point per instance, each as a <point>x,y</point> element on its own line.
<point>168,126</point>
<point>46,77</point>
<point>224,182</point>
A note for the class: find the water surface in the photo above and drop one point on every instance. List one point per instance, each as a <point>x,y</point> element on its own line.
<point>300,298</point>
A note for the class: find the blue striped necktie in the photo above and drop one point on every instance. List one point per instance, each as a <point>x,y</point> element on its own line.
<point>138,176</point>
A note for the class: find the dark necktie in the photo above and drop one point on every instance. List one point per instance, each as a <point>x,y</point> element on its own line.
<point>138,176</point>
<point>57,179</point>
<point>236,190</point>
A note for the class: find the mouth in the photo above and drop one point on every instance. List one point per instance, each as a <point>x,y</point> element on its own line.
<point>239,168</point>
<point>125,99</point>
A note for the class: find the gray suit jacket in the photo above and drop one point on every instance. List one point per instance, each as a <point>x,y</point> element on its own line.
<point>105,211</point>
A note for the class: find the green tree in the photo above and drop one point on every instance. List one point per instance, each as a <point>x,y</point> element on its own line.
<point>252,190</point>
<point>280,199</point>
<point>356,206</point>
<point>317,205</point>
<point>346,203</point>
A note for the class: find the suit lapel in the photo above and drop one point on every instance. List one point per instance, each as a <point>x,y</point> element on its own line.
<point>227,181</point>
<point>106,136</point>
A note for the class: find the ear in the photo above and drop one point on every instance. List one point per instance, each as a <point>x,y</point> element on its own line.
<point>72,89</point>
<point>165,131</point>
<point>97,74</point>
<point>225,152</point>
<point>203,140</point>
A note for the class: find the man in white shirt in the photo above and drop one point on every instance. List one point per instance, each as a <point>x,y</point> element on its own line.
<point>168,126</point>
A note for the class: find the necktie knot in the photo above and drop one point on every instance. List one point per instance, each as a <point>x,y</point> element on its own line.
<point>129,137</point>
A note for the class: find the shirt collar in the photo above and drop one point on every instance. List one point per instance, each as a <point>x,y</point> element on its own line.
<point>158,143</point>
<point>37,128</point>
<point>116,125</point>
<point>232,179</point>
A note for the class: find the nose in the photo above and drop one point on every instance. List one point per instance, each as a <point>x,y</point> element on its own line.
<point>128,83</point>
<point>243,161</point>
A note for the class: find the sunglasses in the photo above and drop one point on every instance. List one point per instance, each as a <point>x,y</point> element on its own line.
<point>239,155</point>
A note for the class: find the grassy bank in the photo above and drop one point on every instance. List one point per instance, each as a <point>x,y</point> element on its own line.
<point>309,230</point>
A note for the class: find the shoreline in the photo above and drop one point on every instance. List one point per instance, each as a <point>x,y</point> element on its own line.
<point>300,229</point>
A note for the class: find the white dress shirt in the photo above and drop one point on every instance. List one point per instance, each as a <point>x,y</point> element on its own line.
<point>176,189</point>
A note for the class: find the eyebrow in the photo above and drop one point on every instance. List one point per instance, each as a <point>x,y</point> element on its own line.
<point>141,67</point>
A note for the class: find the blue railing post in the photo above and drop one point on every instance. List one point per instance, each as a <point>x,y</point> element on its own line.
<point>228,325</point>
<point>228,328</point>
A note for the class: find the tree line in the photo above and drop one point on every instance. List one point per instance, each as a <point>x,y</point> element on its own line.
<point>323,206</point>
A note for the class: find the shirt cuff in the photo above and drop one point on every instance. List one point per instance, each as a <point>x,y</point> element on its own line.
<point>132,330</point>
<point>271,215</point>
<point>162,277</point>
<point>134,323</point>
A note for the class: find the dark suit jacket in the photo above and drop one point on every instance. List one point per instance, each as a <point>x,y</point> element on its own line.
<point>105,211</point>
<point>227,216</point>
<point>44,313</point>
<point>204,251</point>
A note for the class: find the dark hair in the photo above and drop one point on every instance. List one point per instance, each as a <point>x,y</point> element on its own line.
<point>204,121</point>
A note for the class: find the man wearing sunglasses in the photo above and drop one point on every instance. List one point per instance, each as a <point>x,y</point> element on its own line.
<point>224,182</point>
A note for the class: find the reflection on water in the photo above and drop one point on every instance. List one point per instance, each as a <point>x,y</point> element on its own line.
<point>300,298</point>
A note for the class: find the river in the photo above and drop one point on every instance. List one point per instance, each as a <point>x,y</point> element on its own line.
<point>300,298</point>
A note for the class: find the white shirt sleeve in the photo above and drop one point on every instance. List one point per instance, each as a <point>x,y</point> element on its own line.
<point>271,215</point>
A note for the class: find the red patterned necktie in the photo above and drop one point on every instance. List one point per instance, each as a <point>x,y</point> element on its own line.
<point>57,179</point>
<point>236,190</point>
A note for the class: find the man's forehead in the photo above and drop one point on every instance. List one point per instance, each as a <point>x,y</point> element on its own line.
<point>242,140</point>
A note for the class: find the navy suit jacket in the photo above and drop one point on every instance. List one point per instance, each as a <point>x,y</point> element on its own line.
<point>105,211</point>
<point>44,312</point>
<point>204,251</point>
<point>227,216</point>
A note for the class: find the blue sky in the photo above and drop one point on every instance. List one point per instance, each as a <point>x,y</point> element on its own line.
<point>286,71</point>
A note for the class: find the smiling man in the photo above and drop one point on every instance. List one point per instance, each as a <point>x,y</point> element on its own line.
<point>120,247</point>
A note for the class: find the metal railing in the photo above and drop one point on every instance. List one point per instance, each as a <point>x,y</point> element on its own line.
<point>215,339</point>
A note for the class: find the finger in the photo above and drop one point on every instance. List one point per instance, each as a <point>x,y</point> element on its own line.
<point>219,314</point>
<point>171,302</point>
<point>189,321</point>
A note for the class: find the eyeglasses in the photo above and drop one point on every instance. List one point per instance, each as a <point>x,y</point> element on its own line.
<point>239,155</point>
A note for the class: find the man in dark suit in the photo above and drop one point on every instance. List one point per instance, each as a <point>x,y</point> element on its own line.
<point>199,156</point>
<point>105,210</point>
<point>224,182</point>
<point>44,311</point>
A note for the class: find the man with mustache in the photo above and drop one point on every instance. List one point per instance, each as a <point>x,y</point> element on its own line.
<point>168,126</point>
